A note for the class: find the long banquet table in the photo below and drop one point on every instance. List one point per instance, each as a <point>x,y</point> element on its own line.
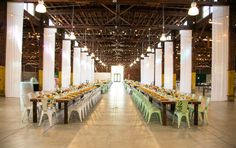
<point>59,101</point>
<point>172,102</point>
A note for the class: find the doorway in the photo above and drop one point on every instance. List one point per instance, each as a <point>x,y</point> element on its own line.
<point>117,73</point>
<point>117,77</point>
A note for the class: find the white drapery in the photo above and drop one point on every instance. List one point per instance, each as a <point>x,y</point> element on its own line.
<point>15,13</point>
<point>186,61</point>
<point>220,51</point>
<point>142,70</point>
<point>92,71</point>
<point>76,66</point>
<point>168,67</point>
<point>88,68</point>
<point>158,69</point>
<point>66,67</point>
<point>49,59</point>
<point>83,63</point>
<point>147,69</point>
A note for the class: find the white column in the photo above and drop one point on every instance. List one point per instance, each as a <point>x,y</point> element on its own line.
<point>14,48</point>
<point>142,70</point>
<point>66,68</point>
<point>88,68</point>
<point>186,61</point>
<point>83,63</point>
<point>158,70</point>
<point>76,66</point>
<point>49,59</point>
<point>220,51</point>
<point>149,70</point>
<point>168,68</point>
<point>92,71</point>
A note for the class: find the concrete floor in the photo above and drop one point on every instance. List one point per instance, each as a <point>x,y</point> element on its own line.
<point>116,123</point>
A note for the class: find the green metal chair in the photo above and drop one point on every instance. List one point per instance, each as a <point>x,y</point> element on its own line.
<point>202,109</point>
<point>181,110</point>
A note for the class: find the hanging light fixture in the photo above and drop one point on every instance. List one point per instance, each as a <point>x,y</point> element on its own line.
<point>149,48</point>
<point>137,59</point>
<point>163,35</point>
<point>40,8</point>
<point>72,34</point>
<point>142,55</point>
<point>97,59</point>
<point>85,46</point>
<point>131,65</point>
<point>92,55</point>
<point>153,50</point>
<point>193,10</point>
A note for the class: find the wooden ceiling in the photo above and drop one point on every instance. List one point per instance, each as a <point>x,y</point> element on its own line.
<point>116,31</point>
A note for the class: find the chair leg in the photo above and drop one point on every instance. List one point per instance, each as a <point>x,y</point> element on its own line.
<point>159,115</point>
<point>187,118</point>
<point>41,118</point>
<point>206,117</point>
<point>50,117</point>
<point>179,120</point>
<point>149,117</point>
<point>80,116</point>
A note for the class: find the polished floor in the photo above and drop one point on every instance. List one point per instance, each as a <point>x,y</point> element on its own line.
<point>116,123</point>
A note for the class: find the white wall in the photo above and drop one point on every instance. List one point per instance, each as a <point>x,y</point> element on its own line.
<point>102,76</point>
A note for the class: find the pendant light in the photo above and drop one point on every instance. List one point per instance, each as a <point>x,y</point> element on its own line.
<point>97,59</point>
<point>142,55</point>
<point>137,59</point>
<point>163,35</point>
<point>193,10</point>
<point>149,48</point>
<point>92,54</point>
<point>72,34</point>
<point>100,59</point>
<point>40,8</point>
<point>85,46</point>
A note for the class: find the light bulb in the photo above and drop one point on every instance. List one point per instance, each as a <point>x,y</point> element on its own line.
<point>137,59</point>
<point>92,55</point>
<point>40,8</point>
<point>134,62</point>
<point>72,36</point>
<point>85,48</point>
<point>153,50</point>
<point>100,61</point>
<point>163,37</point>
<point>193,11</point>
<point>142,55</point>
<point>97,59</point>
<point>149,49</point>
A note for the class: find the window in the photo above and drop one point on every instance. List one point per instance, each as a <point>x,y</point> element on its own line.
<point>206,10</point>
<point>29,7</point>
<point>50,22</point>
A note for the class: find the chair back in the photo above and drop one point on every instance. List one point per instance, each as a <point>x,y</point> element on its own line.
<point>205,102</point>
<point>181,106</point>
<point>31,95</point>
<point>44,103</point>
